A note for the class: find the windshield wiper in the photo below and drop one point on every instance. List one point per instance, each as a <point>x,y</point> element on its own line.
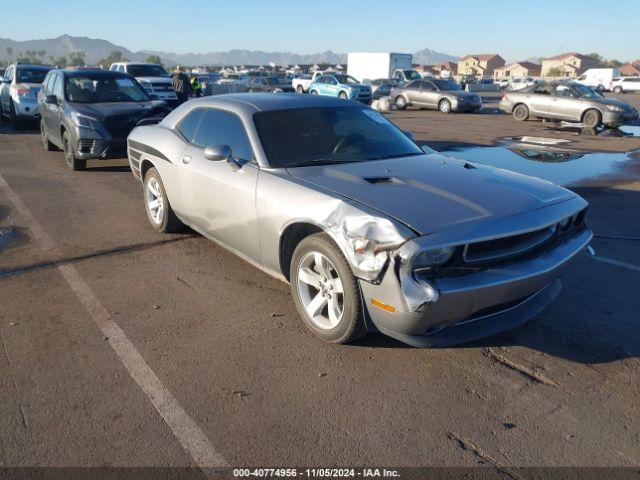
<point>396,155</point>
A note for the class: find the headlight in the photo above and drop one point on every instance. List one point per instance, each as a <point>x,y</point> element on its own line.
<point>615,108</point>
<point>433,258</point>
<point>85,121</point>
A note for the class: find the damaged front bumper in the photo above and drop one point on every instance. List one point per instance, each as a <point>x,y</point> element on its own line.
<point>448,310</point>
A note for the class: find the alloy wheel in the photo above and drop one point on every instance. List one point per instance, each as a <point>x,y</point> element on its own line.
<point>320,290</point>
<point>154,200</point>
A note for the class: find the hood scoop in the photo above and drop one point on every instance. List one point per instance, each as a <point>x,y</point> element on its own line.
<point>378,180</point>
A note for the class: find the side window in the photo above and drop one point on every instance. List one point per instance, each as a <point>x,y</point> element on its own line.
<point>189,124</point>
<point>430,87</point>
<point>121,69</point>
<point>224,128</point>
<point>543,89</point>
<point>9,74</point>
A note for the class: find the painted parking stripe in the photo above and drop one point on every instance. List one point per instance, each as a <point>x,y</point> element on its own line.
<point>184,428</point>
<point>617,263</point>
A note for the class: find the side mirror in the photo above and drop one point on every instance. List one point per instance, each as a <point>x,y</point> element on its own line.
<point>216,153</point>
<point>51,99</point>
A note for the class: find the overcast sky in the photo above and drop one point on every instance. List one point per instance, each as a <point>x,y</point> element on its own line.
<point>515,29</point>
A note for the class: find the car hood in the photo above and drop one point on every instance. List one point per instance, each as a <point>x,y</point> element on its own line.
<point>430,193</point>
<point>112,109</point>
<point>612,101</point>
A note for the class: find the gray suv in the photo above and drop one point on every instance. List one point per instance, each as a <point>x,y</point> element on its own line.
<point>568,101</point>
<point>439,94</point>
<point>19,92</point>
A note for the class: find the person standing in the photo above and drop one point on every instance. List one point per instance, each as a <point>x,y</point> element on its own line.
<point>181,85</point>
<point>196,87</point>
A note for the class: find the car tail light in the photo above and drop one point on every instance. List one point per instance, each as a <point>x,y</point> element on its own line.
<point>22,91</point>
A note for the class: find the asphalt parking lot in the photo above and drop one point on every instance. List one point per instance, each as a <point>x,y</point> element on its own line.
<point>122,347</point>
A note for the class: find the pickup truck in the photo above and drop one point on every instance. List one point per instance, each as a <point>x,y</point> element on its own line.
<point>301,84</point>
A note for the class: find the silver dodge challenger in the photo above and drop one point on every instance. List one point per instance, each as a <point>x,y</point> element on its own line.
<point>372,232</point>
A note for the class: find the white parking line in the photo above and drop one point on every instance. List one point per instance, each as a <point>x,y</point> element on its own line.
<point>185,429</point>
<point>617,263</point>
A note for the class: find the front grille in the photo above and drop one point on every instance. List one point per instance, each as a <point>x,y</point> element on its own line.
<point>162,87</point>
<point>506,246</point>
<point>120,127</point>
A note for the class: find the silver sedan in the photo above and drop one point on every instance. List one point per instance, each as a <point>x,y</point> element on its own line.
<point>568,101</point>
<point>444,95</point>
<point>372,232</point>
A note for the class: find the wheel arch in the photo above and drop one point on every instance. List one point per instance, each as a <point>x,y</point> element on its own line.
<point>591,107</point>
<point>290,238</point>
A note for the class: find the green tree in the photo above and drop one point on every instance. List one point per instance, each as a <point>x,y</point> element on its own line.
<point>614,63</point>
<point>76,59</point>
<point>596,56</point>
<point>554,72</point>
<point>114,57</point>
<point>59,61</point>
<point>153,59</point>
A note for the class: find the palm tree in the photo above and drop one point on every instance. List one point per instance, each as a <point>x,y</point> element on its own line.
<point>9,54</point>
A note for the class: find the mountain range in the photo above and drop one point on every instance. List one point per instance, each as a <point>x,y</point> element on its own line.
<point>97,49</point>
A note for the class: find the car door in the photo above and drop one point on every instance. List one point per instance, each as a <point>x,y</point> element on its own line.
<point>44,107</point>
<point>412,92</point>
<point>539,100</point>
<point>429,94</point>
<point>331,87</point>
<point>631,84</point>
<point>219,201</point>
<point>566,103</point>
<point>54,111</point>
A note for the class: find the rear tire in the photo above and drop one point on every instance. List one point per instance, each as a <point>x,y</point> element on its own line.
<point>74,163</point>
<point>444,106</point>
<point>299,89</point>
<point>46,144</point>
<point>400,102</point>
<point>162,217</point>
<point>313,92</point>
<point>343,96</point>
<point>592,118</point>
<point>336,287</point>
<point>521,112</point>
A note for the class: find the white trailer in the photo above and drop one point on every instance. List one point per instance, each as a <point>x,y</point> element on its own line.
<point>370,66</point>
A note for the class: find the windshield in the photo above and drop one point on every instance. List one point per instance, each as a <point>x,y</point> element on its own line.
<point>100,89</point>
<point>412,75</point>
<point>585,92</point>
<point>316,136</point>
<point>147,71</point>
<point>345,79</point>
<point>31,75</point>
<point>447,85</point>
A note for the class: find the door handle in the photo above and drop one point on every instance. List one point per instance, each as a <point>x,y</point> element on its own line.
<point>186,159</point>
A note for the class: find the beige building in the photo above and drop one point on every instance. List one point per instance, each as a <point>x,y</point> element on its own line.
<point>517,69</point>
<point>480,65</point>
<point>570,65</point>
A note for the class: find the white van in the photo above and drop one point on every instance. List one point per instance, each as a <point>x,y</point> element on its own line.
<point>598,78</point>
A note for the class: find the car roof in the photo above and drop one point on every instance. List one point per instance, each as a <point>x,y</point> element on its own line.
<point>262,102</point>
<point>29,65</point>
<point>94,72</point>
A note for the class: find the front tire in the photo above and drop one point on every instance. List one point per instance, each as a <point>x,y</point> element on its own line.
<point>617,90</point>
<point>313,92</point>
<point>521,113</point>
<point>74,163</point>
<point>592,118</point>
<point>299,89</point>
<point>159,212</point>
<point>325,291</point>
<point>343,96</point>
